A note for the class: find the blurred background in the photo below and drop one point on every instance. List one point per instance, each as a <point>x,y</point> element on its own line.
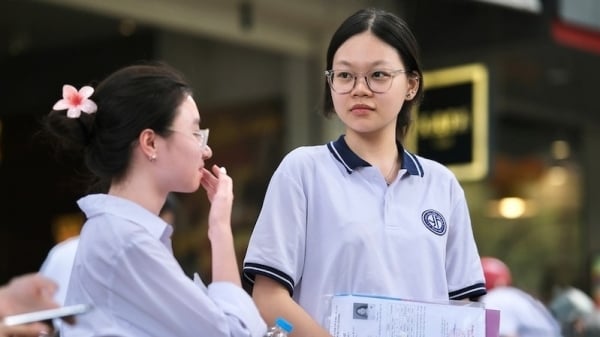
<point>510,105</point>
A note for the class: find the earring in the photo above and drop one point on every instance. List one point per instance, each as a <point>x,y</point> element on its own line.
<point>152,157</point>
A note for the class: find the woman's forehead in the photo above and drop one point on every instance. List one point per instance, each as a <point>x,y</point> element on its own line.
<point>365,48</point>
<point>188,112</point>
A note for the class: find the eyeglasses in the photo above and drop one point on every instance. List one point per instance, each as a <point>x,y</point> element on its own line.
<point>200,135</point>
<point>378,81</point>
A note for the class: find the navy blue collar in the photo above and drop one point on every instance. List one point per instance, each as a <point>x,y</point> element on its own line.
<point>351,160</point>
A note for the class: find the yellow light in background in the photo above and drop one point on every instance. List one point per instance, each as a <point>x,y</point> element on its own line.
<point>557,176</point>
<point>512,208</point>
<point>560,149</point>
<point>67,225</point>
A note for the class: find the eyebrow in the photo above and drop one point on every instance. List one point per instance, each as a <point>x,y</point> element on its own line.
<point>372,64</point>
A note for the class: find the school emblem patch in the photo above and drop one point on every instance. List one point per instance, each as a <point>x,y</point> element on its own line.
<point>434,221</point>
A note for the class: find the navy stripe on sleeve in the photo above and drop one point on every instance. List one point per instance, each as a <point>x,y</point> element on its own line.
<point>253,269</point>
<point>473,291</point>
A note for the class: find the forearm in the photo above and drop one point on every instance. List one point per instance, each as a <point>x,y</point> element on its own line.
<point>273,301</point>
<point>304,325</point>
<point>224,260</point>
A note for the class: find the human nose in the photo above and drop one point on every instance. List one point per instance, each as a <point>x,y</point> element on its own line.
<point>361,83</point>
<point>206,152</point>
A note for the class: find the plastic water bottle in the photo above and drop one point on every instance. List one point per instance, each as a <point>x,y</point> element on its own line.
<point>282,328</point>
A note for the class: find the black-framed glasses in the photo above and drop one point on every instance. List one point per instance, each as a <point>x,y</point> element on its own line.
<point>200,135</point>
<point>378,81</point>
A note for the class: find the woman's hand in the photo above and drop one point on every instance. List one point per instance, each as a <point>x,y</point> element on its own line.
<point>22,294</point>
<point>25,293</point>
<point>219,190</point>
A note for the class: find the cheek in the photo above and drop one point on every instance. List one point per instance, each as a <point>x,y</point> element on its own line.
<point>189,155</point>
<point>393,102</point>
<point>338,101</point>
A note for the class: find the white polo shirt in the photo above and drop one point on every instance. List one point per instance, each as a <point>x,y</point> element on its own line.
<point>330,225</point>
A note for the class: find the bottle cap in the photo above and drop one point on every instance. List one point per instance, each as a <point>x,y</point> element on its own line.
<point>284,325</point>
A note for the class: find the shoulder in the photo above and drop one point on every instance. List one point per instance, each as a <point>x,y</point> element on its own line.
<point>431,170</point>
<point>303,152</point>
<point>59,257</point>
<point>66,247</point>
<point>433,167</point>
<point>304,156</point>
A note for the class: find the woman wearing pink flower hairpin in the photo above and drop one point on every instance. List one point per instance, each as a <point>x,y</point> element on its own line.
<point>140,135</point>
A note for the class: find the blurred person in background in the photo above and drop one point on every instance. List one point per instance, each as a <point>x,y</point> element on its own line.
<point>521,315</point>
<point>576,312</point>
<point>590,326</point>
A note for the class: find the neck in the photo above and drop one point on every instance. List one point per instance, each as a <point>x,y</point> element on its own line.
<point>140,193</point>
<point>391,175</point>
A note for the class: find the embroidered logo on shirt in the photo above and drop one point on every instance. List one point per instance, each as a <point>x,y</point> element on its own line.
<point>434,221</point>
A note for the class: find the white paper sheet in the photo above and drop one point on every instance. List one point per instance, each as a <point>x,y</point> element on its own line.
<point>365,316</point>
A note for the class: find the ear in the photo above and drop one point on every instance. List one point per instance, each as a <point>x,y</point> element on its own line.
<point>414,83</point>
<point>147,140</point>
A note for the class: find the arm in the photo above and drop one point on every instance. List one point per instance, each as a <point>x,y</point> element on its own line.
<point>273,300</point>
<point>219,189</point>
<point>26,293</point>
<point>224,260</point>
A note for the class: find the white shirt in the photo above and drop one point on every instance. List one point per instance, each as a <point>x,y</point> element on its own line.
<point>125,268</point>
<point>57,266</point>
<point>330,225</point>
<point>520,314</point>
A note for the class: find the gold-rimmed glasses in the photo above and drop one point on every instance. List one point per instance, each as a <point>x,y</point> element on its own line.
<point>378,81</point>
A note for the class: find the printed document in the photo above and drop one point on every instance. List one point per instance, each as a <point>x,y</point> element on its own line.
<point>366,316</point>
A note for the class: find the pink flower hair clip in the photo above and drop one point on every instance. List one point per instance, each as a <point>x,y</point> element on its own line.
<point>76,101</point>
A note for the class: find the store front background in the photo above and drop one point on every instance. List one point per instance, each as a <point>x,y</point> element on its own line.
<point>261,96</point>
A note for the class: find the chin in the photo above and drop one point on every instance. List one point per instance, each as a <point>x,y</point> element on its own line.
<point>189,188</point>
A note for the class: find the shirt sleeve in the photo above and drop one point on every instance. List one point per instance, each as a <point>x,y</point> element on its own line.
<point>277,245</point>
<point>150,283</point>
<point>463,264</point>
<point>239,308</point>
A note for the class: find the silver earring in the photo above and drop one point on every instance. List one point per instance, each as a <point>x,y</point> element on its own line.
<point>152,157</point>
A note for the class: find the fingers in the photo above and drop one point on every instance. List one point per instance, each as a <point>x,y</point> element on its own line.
<point>212,179</point>
<point>33,330</point>
<point>217,171</point>
<point>26,293</point>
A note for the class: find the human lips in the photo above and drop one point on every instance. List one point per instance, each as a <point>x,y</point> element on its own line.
<point>361,108</point>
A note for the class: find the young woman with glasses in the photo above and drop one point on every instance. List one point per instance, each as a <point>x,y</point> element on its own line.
<point>361,214</point>
<point>139,132</point>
